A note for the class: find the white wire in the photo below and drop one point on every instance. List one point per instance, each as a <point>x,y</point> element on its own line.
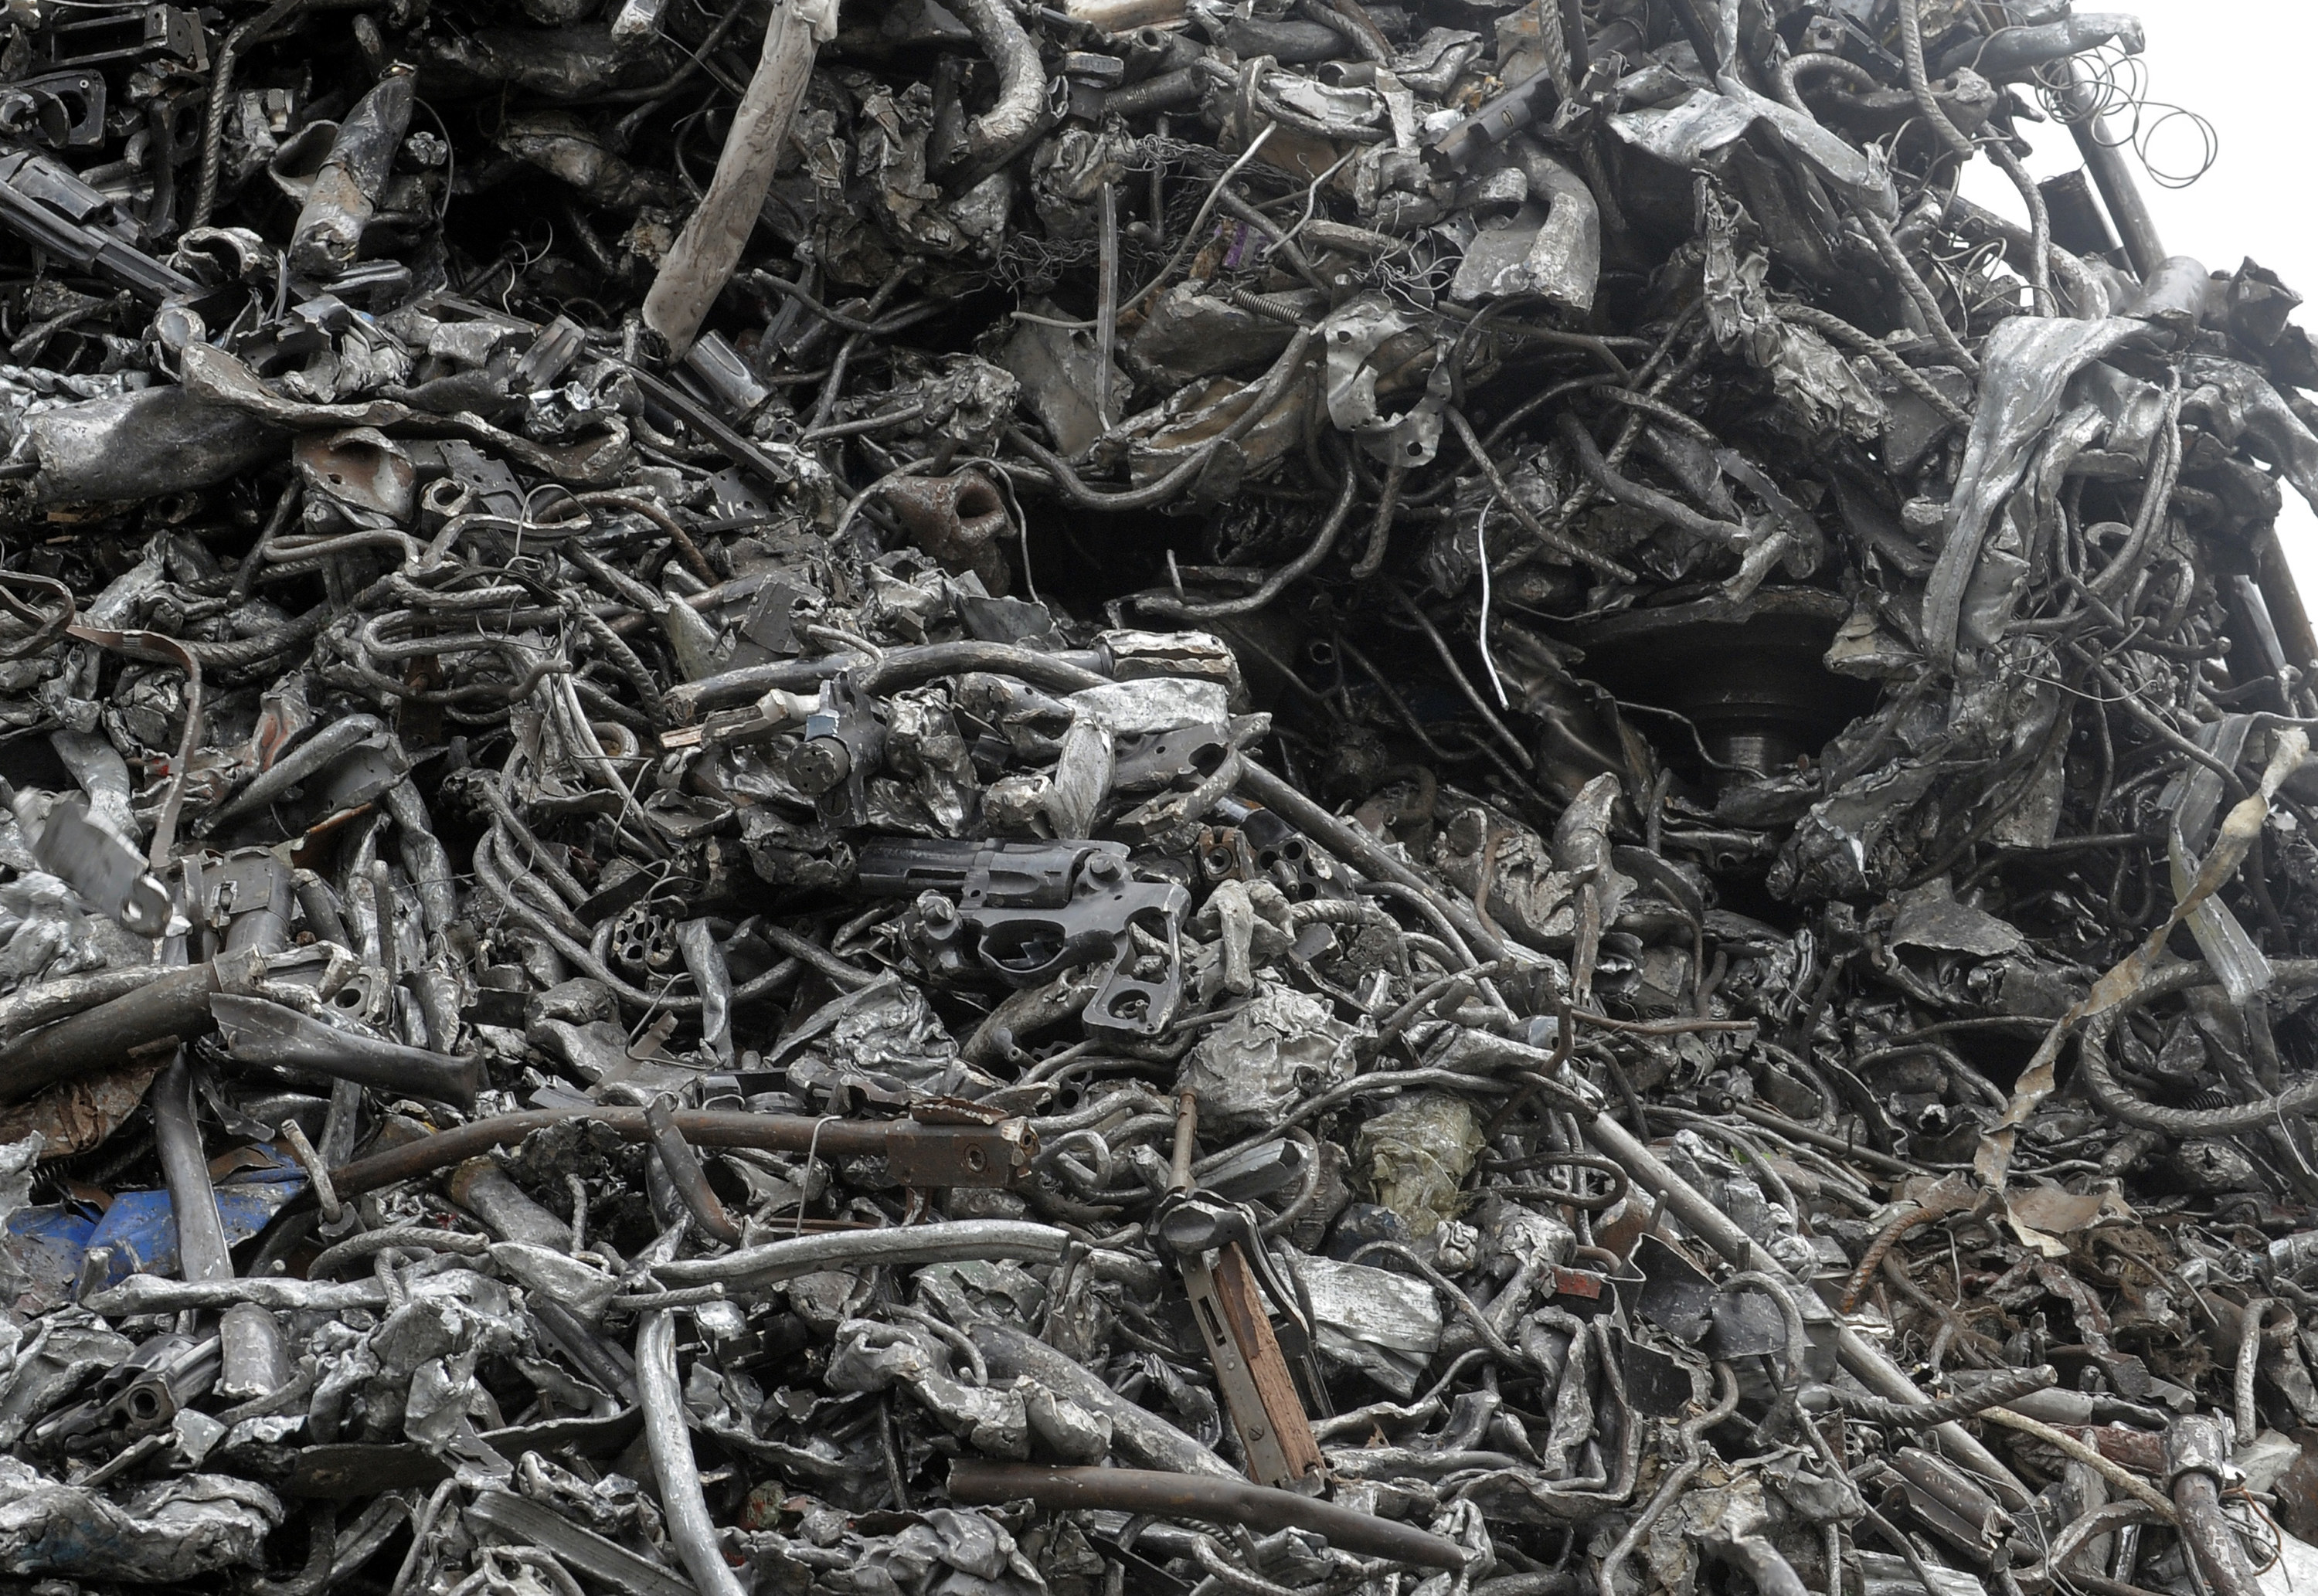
<point>1481,535</point>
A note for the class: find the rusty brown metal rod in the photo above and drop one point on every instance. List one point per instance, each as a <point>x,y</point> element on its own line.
<point>703,1128</point>
<point>2195,1454</point>
<point>975,1483</point>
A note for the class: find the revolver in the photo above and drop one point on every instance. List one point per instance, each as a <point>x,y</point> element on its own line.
<point>44,202</point>
<point>1026,911</point>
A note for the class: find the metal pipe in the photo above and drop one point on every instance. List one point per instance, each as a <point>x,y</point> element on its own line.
<point>957,1241</point>
<point>341,1124</point>
<point>1185,85</point>
<point>1000,133</point>
<point>335,738</point>
<point>264,928</point>
<point>169,1003</point>
<point>971,1155</point>
<point>605,1362</point>
<point>434,878</point>
<point>1761,1562</point>
<point>258,1032</point>
<point>906,668</point>
<point>700,264</point>
<point>976,1482</point>
<point>2195,1455</point>
<point>2250,1339</point>
<point>437,991</point>
<point>254,1354</point>
<point>52,1000</point>
<point>345,193</point>
<point>1136,1433</point>
<point>320,905</point>
<point>681,1501</point>
<point>483,1189</point>
<point>1574,41</point>
<point>2106,161</point>
<point>1187,1141</point>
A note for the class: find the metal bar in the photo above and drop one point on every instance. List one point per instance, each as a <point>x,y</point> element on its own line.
<point>2119,191</point>
<point>685,1173</point>
<point>177,1137</point>
<point>669,1440</point>
<point>966,1155</point>
<point>977,1483</point>
<point>172,1003</point>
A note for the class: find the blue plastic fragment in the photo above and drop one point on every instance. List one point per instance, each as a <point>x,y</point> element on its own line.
<point>141,1227</point>
<point>49,1243</point>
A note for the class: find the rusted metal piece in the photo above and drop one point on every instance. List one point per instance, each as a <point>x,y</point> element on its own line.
<point>916,1153</point>
<point>2197,1465</point>
<point>1234,1323</point>
<point>76,1115</point>
<point>201,1236</point>
<point>958,520</point>
<point>361,468</point>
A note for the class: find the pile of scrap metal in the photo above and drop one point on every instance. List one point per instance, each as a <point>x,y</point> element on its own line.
<point>1192,797</point>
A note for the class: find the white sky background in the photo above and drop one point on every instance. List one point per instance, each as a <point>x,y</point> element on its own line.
<point>2244,66</point>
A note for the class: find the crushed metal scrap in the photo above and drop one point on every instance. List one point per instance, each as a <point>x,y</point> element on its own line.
<point>1141,798</point>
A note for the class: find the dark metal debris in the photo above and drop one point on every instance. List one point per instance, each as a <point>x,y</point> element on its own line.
<point>1142,798</point>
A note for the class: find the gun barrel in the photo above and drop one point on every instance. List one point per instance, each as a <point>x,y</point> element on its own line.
<point>903,867</point>
<point>1463,142</point>
<point>45,202</point>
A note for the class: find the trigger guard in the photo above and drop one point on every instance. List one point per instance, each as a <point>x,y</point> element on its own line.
<point>1079,948</point>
